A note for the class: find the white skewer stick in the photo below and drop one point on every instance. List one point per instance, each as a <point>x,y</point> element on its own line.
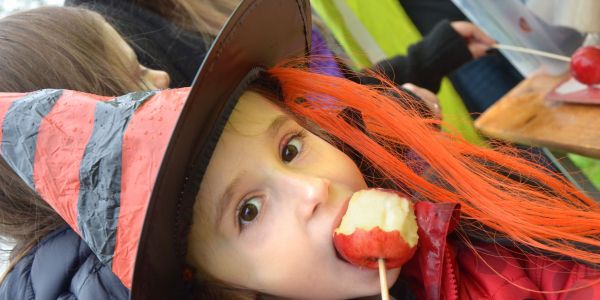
<point>532,51</point>
<point>383,280</point>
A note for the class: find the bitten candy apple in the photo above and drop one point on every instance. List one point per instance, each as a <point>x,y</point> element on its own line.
<point>585,65</point>
<point>378,224</point>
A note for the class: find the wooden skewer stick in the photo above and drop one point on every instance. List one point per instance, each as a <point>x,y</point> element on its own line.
<point>532,51</point>
<point>383,280</point>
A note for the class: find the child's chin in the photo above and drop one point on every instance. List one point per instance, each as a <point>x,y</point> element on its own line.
<point>365,281</point>
<point>370,284</point>
<point>374,288</point>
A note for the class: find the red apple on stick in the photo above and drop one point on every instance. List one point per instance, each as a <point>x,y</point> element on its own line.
<point>585,62</point>
<point>585,65</point>
<point>379,224</point>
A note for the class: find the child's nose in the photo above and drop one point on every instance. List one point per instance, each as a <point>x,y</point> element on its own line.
<point>160,79</point>
<point>309,193</point>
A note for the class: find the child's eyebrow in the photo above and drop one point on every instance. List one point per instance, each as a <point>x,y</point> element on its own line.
<point>277,123</point>
<point>226,198</point>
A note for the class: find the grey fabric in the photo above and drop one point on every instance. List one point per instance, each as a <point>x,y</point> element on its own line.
<point>20,130</point>
<point>100,174</point>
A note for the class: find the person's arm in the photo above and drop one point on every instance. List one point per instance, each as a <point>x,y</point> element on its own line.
<point>443,50</point>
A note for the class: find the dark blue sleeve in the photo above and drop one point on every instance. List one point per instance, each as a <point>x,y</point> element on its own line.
<point>61,266</point>
<point>17,284</point>
<point>96,281</point>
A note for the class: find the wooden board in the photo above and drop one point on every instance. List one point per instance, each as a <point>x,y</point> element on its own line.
<point>523,116</point>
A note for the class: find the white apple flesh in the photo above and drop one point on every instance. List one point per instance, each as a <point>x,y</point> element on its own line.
<point>378,224</point>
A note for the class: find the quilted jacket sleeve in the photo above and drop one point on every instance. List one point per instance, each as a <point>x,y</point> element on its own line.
<point>62,267</point>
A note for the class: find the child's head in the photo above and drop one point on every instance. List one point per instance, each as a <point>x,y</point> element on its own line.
<point>72,48</point>
<point>284,167</point>
<point>271,197</point>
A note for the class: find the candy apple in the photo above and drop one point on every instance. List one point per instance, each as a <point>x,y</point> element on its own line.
<point>585,65</point>
<point>377,224</point>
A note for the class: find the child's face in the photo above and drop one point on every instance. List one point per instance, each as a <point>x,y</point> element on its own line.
<point>271,197</point>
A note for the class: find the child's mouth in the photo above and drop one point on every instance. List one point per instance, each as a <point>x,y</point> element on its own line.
<point>338,219</point>
<point>339,256</point>
<point>336,223</point>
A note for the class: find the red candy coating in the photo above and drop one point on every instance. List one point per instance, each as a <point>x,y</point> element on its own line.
<point>363,248</point>
<point>585,65</point>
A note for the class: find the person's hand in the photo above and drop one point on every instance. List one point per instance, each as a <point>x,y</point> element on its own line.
<point>477,41</point>
<point>430,99</point>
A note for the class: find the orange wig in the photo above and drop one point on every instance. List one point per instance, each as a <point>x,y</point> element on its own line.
<point>502,195</point>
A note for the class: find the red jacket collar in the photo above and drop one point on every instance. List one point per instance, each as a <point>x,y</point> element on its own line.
<point>432,271</point>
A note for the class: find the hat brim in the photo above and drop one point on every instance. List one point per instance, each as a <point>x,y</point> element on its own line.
<point>259,34</point>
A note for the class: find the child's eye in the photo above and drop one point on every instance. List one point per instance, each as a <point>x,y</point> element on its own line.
<point>248,211</point>
<point>292,148</point>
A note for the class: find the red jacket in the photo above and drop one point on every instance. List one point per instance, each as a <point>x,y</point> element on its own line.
<point>445,268</point>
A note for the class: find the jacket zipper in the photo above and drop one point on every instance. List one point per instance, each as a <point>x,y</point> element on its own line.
<point>450,274</point>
